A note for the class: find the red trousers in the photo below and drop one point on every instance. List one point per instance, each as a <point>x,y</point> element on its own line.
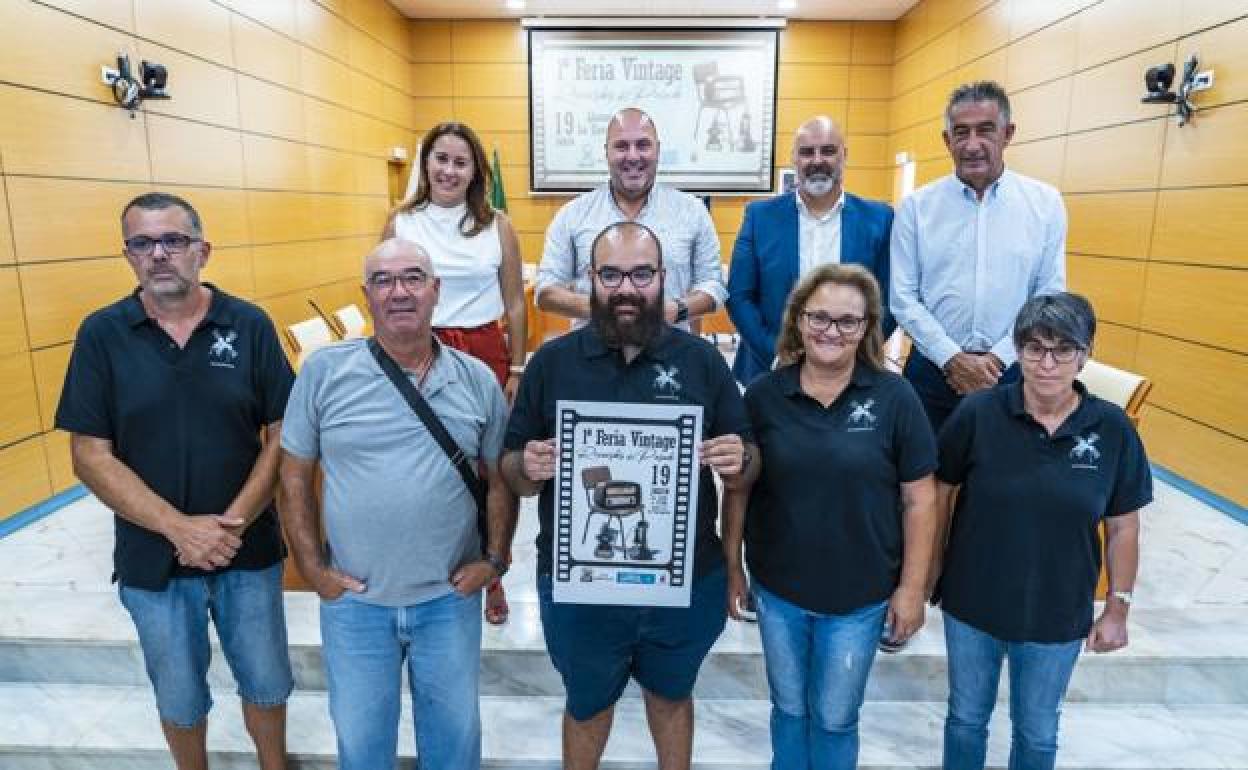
<point>486,343</point>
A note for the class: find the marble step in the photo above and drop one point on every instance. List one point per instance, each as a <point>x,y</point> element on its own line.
<point>102,728</point>
<point>1175,656</point>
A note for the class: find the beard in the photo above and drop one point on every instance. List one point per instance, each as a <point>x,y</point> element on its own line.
<point>635,332</point>
<point>821,180</point>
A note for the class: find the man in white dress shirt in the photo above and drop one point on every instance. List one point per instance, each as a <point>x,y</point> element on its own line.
<point>694,283</point>
<point>967,251</point>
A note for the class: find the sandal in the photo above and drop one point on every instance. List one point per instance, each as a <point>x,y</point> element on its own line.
<point>496,609</point>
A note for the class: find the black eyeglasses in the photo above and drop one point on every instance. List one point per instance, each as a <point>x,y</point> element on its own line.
<point>613,277</point>
<point>821,322</point>
<point>1063,352</point>
<point>174,244</point>
<point>412,280</point>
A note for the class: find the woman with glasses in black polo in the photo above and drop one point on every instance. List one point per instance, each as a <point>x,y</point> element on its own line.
<point>840,527</point>
<point>1037,467</point>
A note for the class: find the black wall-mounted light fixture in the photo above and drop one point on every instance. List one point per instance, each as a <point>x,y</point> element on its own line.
<point>1159,79</point>
<point>129,91</point>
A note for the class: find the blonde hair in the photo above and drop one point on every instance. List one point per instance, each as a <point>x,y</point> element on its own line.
<point>870,348</point>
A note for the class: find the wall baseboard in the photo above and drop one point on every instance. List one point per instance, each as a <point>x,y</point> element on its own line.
<point>1211,499</point>
<point>40,510</point>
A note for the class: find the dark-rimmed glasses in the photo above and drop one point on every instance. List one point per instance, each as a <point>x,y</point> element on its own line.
<point>820,322</point>
<point>613,277</point>
<point>1062,352</point>
<point>412,280</point>
<point>174,244</point>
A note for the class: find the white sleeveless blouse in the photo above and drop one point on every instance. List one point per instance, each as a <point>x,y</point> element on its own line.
<point>471,295</point>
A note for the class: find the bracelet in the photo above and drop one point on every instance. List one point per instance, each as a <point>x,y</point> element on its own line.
<point>516,369</point>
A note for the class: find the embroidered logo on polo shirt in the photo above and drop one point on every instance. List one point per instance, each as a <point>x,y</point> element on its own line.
<point>1085,454</point>
<point>860,417</point>
<point>222,352</point>
<point>665,382</point>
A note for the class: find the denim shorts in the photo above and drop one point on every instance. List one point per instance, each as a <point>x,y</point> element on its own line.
<point>246,607</point>
<point>596,648</point>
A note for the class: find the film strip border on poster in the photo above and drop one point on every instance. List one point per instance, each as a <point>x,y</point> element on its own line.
<point>676,568</point>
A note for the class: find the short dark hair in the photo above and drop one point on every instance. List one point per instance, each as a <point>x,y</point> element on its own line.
<point>978,91</point>
<point>155,201</point>
<point>624,224</point>
<point>1064,316</point>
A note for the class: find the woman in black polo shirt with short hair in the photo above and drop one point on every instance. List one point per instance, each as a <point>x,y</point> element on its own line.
<point>1037,466</point>
<point>841,526</point>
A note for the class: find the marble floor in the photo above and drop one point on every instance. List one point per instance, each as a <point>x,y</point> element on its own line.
<point>72,693</point>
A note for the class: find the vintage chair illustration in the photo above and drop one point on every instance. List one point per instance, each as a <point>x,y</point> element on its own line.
<point>615,500</point>
<point>723,95</point>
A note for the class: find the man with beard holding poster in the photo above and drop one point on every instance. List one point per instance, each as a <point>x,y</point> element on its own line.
<point>627,354</point>
<point>785,237</point>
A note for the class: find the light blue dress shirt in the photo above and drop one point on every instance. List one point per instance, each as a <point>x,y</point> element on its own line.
<point>962,267</point>
<point>681,221</point>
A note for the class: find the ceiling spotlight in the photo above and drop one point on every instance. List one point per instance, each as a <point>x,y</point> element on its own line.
<point>515,5</point>
<point>786,5</point>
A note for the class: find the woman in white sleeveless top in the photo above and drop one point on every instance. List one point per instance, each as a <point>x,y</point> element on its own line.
<point>476,253</point>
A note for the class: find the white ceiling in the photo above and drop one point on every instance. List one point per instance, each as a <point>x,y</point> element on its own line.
<point>877,10</point>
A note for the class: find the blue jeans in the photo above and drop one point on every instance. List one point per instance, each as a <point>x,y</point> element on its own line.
<point>246,607</point>
<point>364,649</point>
<point>1039,674</point>
<point>817,667</point>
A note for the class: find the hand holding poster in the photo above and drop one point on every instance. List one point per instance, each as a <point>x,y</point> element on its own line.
<point>626,481</point>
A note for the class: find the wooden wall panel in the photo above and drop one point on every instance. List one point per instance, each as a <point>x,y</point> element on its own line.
<point>223,213</point>
<point>45,210</point>
<point>1204,226</point>
<point>278,14</point>
<point>112,13</point>
<point>1118,158</point>
<point>325,78</point>
<point>1203,304</point>
<point>193,153</point>
<point>12,324</point>
<point>1222,48</point>
<point>1110,94</point>
<point>230,269</point>
<point>200,27</point>
<point>1044,56</point>
<point>269,109</point>
<point>274,164</point>
<point>57,52</point>
<point>19,407</point>
<point>7,257</point>
<point>60,465</point>
<point>866,117</point>
<point>322,30</point>
<point>1115,345</point>
<point>872,43</point>
<point>25,472</point>
<point>50,365</point>
<point>1113,28</point>
<point>1114,286</point>
<point>264,53</point>
<point>1203,383</point>
<point>1041,112</point>
<point>62,137</point>
<point>201,90</point>
<point>1198,14</point>
<point>1028,17</point>
<point>1110,224</point>
<point>813,42</point>
<point>58,295</point>
<point>1213,459</point>
<point>431,42</point>
<point>1209,150</point>
<point>874,82</point>
<point>488,41</point>
<point>986,31</point>
<point>1041,159</point>
<point>327,124</point>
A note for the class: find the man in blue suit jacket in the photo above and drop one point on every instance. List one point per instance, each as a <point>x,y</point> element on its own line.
<point>784,237</point>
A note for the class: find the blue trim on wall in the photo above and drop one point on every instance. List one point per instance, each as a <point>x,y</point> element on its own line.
<point>40,510</point>
<point>1211,499</point>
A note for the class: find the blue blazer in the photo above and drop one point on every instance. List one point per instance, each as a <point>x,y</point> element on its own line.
<point>765,265</point>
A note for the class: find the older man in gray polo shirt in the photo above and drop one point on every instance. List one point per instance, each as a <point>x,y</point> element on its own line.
<point>401,574</point>
<point>694,284</point>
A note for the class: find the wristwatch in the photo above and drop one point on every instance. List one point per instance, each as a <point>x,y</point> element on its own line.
<point>682,310</point>
<point>1123,596</point>
<point>497,563</point>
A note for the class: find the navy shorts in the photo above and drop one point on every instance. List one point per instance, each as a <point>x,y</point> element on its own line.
<point>596,648</point>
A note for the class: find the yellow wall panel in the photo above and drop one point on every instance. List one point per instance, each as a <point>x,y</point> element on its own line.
<point>813,81</point>
<point>513,146</point>
<point>1203,226</point>
<point>1115,345</point>
<point>867,117</point>
<point>12,324</point>
<point>985,31</point>
<point>223,212</point>
<point>497,114</point>
<point>192,153</point>
<point>372,177</point>
<point>50,365</point>
<point>872,43</point>
<point>1114,28</point>
<point>278,14</point>
<point>321,76</point>
<point>1028,17</point>
<point>330,170</point>
<point>488,41</point>
<point>57,52</point>
<point>1202,304</point>
<point>1110,94</point>
<point>1042,159</point>
<point>431,41</point>
<point>397,107</point>
<point>67,218</point>
<point>1045,55</point>
<point>874,183</point>
<point>1042,111</point>
<point>431,111</point>
<point>930,170</point>
<point>365,93</point>
<point>274,164</point>
<point>1198,14</point>
<point>327,124</point>
<point>1114,286</point>
<point>1223,49</point>
<point>269,109</point>
<point>396,70</point>
<point>114,13</point>
<point>60,464</point>
<point>792,113</point>
<point>281,268</point>
<point>534,214</point>
<point>19,406</point>
<point>727,214</point>
<point>816,42</point>
<point>1210,458</point>
<point>7,257</point>
<point>1208,151</point>
<point>23,476</point>
<point>1202,383</point>
<point>277,217</point>
<point>869,151</point>
<point>874,82</point>
<point>200,27</point>
<point>264,53</point>
<point>1118,158</point>
<point>433,79</point>
<point>58,295</point>
<point>1110,224</point>
<point>363,53</point>
<point>230,269</point>
<point>322,30</point>
<point>59,136</point>
<point>201,90</point>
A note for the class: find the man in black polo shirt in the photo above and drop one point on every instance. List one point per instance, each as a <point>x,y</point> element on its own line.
<point>614,359</point>
<point>168,395</point>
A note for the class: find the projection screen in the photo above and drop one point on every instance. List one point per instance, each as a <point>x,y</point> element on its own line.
<point>712,94</point>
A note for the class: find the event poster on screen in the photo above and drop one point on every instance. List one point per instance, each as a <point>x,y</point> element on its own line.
<point>711,95</point>
<point>626,501</point>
